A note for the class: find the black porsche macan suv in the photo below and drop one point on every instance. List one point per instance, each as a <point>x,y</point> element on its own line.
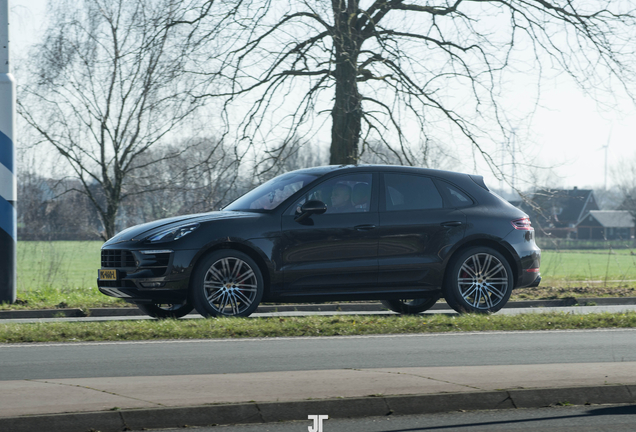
<point>402,235</point>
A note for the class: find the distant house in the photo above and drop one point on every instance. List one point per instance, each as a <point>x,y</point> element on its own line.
<point>606,225</point>
<point>556,212</point>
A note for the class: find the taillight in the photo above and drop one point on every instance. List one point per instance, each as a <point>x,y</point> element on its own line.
<point>522,224</point>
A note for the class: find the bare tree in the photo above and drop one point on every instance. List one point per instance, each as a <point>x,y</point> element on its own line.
<point>107,84</point>
<point>189,177</point>
<point>395,71</point>
<point>49,210</point>
<point>430,155</point>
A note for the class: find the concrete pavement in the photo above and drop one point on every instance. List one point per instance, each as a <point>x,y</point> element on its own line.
<point>112,404</point>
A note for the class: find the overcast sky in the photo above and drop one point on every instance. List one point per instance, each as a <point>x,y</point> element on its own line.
<point>568,131</point>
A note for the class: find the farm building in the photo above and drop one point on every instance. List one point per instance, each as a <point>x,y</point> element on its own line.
<point>556,212</point>
<point>606,225</point>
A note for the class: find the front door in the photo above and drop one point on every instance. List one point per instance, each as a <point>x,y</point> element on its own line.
<point>337,250</point>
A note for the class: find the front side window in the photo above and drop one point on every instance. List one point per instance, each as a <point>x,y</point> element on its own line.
<point>271,194</point>
<point>343,194</point>
<point>410,192</point>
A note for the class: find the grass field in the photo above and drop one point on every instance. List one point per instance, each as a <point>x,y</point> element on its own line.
<point>63,274</point>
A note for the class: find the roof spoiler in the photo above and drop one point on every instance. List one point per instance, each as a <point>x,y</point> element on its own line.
<point>479,180</point>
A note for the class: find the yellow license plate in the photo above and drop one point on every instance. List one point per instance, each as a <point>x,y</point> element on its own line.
<point>107,275</point>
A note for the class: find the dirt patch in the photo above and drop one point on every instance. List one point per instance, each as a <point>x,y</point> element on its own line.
<point>546,293</point>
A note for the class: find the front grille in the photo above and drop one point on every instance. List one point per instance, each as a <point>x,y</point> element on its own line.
<point>116,284</point>
<point>156,263</point>
<point>114,292</point>
<point>155,260</point>
<point>163,259</point>
<point>117,258</point>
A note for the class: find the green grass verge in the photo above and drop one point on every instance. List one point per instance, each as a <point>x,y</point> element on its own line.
<point>63,274</point>
<point>59,274</point>
<point>600,268</point>
<point>302,326</point>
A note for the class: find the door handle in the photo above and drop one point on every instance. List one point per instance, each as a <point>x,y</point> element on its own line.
<point>364,227</point>
<point>451,224</point>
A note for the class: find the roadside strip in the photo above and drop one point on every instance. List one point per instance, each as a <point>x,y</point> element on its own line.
<point>202,400</point>
<point>272,310</point>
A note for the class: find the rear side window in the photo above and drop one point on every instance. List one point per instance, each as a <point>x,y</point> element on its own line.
<point>410,192</point>
<point>456,198</point>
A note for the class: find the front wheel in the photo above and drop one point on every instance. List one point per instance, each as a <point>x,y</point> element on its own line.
<point>409,307</point>
<point>167,310</point>
<point>227,283</point>
<point>478,280</point>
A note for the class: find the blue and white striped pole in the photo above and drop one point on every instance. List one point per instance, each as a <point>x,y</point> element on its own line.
<point>8,185</point>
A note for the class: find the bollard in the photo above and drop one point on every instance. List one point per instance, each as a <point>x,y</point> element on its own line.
<point>8,186</point>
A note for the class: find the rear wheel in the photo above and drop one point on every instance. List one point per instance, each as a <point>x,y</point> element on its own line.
<point>166,310</point>
<point>409,307</point>
<point>227,283</point>
<point>479,280</point>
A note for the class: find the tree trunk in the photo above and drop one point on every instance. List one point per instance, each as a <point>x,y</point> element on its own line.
<point>347,110</point>
<point>346,116</point>
<point>108,219</point>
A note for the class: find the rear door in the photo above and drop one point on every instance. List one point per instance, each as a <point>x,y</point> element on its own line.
<point>415,228</point>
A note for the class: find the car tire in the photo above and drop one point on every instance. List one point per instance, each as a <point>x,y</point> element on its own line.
<point>478,280</point>
<point>165,310</point>
<point>226,283</point>
<point>410,307</point>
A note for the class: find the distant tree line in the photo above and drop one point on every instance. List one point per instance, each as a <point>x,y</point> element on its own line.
<point>184,178</point>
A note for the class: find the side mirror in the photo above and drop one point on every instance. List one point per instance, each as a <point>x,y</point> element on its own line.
<point>310,208</point>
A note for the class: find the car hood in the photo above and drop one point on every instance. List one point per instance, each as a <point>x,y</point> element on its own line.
<point>139,232</point>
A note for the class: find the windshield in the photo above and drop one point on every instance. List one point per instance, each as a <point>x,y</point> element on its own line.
<point>269,195</point>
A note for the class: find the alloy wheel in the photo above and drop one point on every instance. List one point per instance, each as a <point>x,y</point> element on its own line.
<point>483,281</point>
<point>230,286</point>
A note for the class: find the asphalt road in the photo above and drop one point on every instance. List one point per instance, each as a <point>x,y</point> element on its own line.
<point>117,359</point>
<point>555,419</point>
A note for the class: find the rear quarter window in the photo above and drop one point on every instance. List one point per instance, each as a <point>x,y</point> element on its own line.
<point>455,197</point>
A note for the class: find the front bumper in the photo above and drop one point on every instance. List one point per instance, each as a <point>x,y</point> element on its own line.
<point>147,277</point>
<point>146,296</point>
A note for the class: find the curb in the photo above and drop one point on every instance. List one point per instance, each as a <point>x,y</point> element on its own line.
<point>268,412</point>
<point>327,307</point>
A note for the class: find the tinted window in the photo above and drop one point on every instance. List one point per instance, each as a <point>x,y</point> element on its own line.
<point>410,192</point>
<point>456,198</point>
<point>343,194</point>
<point>269,195</point>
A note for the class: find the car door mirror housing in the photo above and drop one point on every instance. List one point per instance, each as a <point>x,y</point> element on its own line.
<point>309,208</point>
<point>314,207</point>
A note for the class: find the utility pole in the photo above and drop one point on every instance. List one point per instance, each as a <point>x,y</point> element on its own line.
<point>8,185</point>
<point>606,147</point>
<point>514,162</point>
<point>501,169</point>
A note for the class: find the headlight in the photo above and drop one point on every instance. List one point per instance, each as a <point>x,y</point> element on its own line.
<point>173,234</point>
<point>119,236</point>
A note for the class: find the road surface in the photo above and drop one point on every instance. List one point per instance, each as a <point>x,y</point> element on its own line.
<point>156,358</point>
